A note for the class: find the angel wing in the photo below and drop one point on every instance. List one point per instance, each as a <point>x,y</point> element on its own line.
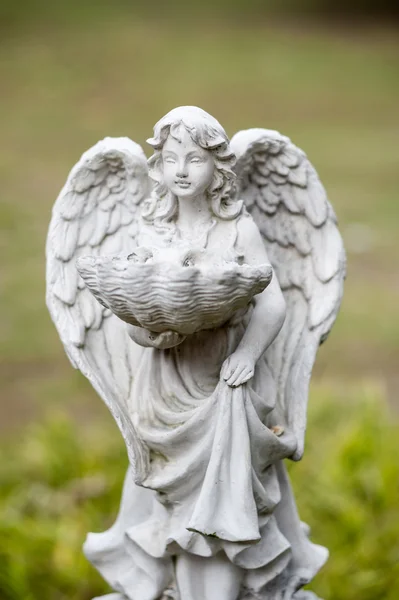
<point>282,191</point>
<point>95,213</point>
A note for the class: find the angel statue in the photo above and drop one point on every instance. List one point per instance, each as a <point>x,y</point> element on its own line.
<point>193,291</point>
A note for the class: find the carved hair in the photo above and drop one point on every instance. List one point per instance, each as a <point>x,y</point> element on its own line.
<point>206,132</point>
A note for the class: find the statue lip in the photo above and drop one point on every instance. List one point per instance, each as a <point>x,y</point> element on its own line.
<point>182,183</point>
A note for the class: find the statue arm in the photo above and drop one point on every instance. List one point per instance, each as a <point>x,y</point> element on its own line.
<point>266,321</point>
<point>267,317</point>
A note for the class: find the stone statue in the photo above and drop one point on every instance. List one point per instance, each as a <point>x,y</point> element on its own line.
<point>193,291</point>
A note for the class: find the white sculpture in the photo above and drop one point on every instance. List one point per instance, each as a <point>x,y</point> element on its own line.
<point>206,367</point>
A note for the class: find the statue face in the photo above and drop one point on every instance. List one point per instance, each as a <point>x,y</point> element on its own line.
<point>187,168</point>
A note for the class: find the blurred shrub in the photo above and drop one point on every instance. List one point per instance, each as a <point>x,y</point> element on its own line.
<point>58,482</point>
<point>347,489</point>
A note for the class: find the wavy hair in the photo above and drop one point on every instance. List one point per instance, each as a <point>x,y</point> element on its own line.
<point>206,132</point>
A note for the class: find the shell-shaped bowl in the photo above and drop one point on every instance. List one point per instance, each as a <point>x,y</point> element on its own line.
<point>163,295</point>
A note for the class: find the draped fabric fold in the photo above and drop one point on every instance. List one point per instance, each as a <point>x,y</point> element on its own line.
<point>216,480</point>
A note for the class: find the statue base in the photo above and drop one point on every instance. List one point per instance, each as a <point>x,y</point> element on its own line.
<point>172,594</point>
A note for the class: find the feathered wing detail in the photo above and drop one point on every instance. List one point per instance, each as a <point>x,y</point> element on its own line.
<point>96,213</point>
<point>282,191</point>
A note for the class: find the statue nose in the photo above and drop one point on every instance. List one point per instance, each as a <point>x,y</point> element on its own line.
<point>182,171</point>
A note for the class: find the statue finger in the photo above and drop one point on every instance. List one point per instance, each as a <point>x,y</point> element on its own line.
<point>231,370</point>
<point>232,381</point>
<point>243,377</point>
<point>247,376</point>
<point>226,371</point>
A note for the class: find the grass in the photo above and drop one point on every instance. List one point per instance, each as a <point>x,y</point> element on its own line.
<point>334,95</point>
<point>334,92</point>
<point>347,488</point>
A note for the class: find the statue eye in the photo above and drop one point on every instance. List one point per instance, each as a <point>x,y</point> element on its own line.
<point>170,160</point>
<point>195,160</point>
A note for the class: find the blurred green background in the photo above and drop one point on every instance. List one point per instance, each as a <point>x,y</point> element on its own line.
<point>324,73</point>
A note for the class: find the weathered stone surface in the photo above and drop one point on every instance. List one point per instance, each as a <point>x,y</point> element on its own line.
<point>208,412</point>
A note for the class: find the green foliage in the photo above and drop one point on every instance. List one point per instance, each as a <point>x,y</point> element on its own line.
<point>348,491</point>
<point>56,485</point>
<point>59,482</point>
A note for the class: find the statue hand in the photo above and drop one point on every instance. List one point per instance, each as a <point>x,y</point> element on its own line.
<point>166,339</point>
<point>238,368</point>
<point>149,339</point>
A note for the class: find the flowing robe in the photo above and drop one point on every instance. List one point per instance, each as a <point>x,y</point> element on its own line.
<point>217,483</point>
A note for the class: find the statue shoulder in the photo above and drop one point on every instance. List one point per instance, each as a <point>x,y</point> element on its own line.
<point>247,230</point>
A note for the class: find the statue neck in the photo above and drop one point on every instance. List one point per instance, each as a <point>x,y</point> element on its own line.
<point>193,213</point>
